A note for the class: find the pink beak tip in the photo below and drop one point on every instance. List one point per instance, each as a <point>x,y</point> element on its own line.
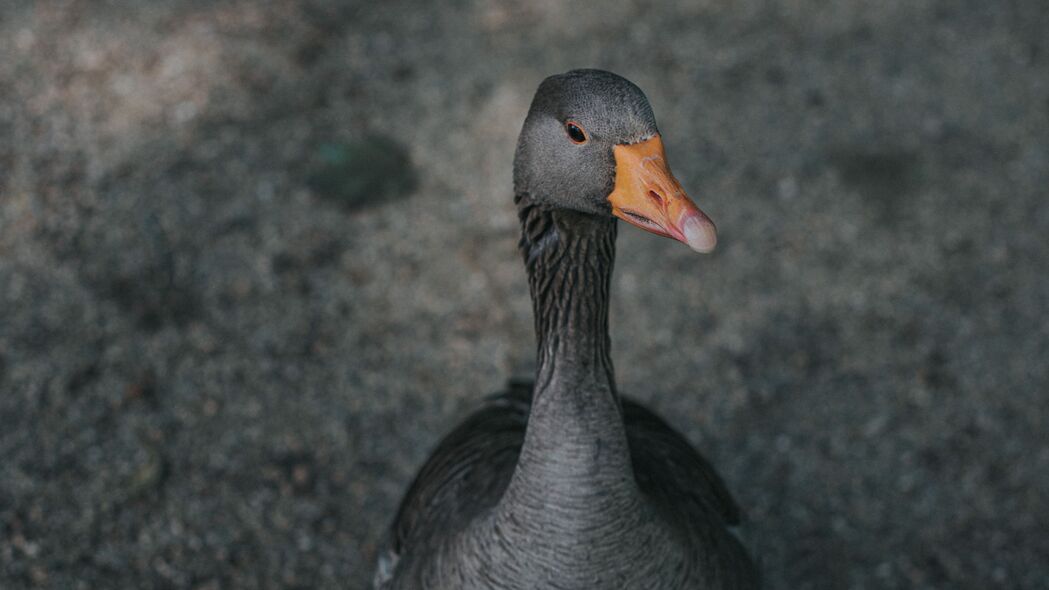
<point>700,234</point>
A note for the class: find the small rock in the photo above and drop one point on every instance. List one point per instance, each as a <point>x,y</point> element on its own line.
<point>362,172</point>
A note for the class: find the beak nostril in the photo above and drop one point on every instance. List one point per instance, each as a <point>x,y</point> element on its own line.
<point>656,197</point>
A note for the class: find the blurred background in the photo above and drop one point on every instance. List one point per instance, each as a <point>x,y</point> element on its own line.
<point>257,257</point>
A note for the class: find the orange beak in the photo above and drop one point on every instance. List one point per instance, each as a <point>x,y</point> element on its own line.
<point>647,195</point>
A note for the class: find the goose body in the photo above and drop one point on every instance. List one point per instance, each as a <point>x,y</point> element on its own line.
<point>561,483</point>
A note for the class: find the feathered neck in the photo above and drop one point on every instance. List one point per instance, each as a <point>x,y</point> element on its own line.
<point>575,455</point>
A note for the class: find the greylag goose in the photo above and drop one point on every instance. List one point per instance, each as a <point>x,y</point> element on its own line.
<point>563,483</point>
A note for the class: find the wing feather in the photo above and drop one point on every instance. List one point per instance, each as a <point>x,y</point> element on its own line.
<point>470,468</point>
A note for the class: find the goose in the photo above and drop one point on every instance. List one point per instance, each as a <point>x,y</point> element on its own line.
<point>562,483</point>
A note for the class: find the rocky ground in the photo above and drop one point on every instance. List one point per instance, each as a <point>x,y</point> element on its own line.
<point>255,258</point>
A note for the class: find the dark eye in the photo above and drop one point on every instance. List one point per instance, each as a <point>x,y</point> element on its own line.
<point>575,132</point>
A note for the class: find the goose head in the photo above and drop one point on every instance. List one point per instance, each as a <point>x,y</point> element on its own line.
<point>590,144</point>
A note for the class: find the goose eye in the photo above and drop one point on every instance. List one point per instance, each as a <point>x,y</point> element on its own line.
<point>575,132</point>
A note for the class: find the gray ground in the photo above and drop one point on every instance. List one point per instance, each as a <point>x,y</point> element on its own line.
<point>256,258</point>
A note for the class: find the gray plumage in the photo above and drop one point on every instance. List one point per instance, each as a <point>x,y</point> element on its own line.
<point>562,484</point>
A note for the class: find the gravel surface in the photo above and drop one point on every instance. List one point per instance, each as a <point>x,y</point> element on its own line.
<point>255,258</point>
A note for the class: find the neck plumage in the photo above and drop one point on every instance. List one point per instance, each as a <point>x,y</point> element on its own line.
<point>569,258</point>
<point>574,470</point>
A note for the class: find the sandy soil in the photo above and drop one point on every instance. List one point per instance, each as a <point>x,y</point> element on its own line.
<point>255,258</point>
